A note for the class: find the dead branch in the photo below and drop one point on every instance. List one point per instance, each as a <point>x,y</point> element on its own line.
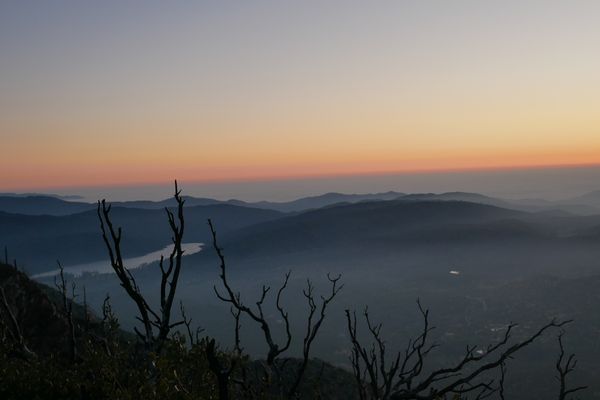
<point>86,311</point>
<point>67,303</point>
<point>13,328</point>
<point>109,319</point>
<point>564,366</point>
<point>110,324</point>
<point>402,378</point>
<point>256,315</point>
<point>312,327</point>
<point>187,322</point>
<point>149,318</point>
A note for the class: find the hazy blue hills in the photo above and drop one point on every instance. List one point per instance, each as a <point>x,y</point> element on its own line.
<point>53,205</point>
<point>58,196</point>
<point>588,199</point>
<point>41,205</point>
<point>367,222</point>
<point>324,200</point>
<point>365,226</point>
<point>50,205</point>
<point>460,196</point>
<point>38,241</point>
<point>431,234</point>
<point>35,204</point>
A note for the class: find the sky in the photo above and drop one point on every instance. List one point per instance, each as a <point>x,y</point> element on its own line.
<point>114,93</point>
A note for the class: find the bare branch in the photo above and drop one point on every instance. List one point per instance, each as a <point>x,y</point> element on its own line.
<point>126,279</point>
<point>237,348</point>
<point>257,315</point>
<point>61,285</point>
<point>169,275</point>
<point>312,327</point>
<point>188,324</point>
<point>564,366</point>
<point>401,378</point>
<point>14,328</point>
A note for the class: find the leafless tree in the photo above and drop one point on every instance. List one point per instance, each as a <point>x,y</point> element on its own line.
<point>156,325</point>
<point>313,325</point>
<point>109,318</point>
<point>86,311</point>
<point>564,366</point>
<point>257,314</point>
<point>9,323</point>
<point>193,337</point>
<point>404,377</point>
<point>67,303</point>
<point>110,325</point>
<point>315,318</point>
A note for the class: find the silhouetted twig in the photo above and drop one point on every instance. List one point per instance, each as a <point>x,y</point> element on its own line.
<point>149,318</point>
<point>403,377</point>
<point>257,315</point>
<point>61,285</point>
<point>564,366</point>
<point>13,328</point>
<point>313,326</point>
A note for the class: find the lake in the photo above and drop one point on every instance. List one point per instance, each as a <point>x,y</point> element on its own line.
<point>104,267</point>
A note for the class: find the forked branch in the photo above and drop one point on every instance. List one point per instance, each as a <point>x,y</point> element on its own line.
<point>256,314</point>
<point>61,285</point>
<point>10,323</point>
<point>313,323</point>
<point>403,377</point>
<point>564,366</point>
<point>170,272</point>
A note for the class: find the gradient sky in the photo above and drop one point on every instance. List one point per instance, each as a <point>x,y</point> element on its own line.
<point>119,92</point>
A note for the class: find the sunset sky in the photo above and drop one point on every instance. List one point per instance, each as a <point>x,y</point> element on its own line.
<point>124,92</point>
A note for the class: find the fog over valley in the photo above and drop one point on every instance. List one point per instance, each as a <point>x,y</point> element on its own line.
<point>477,262</point>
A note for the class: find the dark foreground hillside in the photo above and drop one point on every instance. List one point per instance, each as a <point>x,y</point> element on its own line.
<point>38,359</point>
<point>109,363</point>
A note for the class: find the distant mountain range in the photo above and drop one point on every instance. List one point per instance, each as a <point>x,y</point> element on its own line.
<point>35,204</point>
<point>37,241</point>
<point>38,230</point>
<point>41,205</point>
<point>51,205</point>
<point>58,196</point>
<point>324,200</point>
<point>391,230</point>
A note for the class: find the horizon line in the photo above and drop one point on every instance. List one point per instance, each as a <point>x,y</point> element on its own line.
<point>301,177</point>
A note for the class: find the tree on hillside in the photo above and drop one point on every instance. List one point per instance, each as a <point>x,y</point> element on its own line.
<point>156,325</point>
<point>314,320</point>
<point>405,375</point>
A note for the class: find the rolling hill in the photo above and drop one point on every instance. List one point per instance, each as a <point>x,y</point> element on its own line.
<point>429,234</point>
<point>38,241</point>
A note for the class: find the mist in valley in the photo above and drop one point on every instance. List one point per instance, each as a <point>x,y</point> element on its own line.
<point>477,263</point>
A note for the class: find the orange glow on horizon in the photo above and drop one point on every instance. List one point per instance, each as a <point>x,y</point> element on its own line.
<point>161,175</point>
<point>261,94</point>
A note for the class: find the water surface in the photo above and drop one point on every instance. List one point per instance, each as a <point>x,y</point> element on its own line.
<point>103,267</point>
